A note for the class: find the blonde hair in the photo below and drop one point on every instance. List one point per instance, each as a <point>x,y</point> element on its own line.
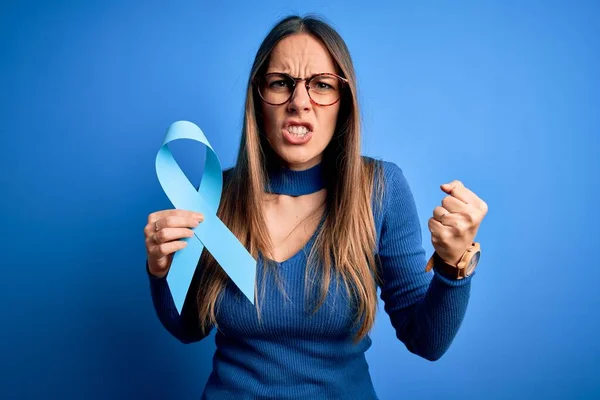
<point>345,245</point>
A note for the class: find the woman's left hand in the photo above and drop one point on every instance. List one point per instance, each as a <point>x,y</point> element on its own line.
<point>455,223</point>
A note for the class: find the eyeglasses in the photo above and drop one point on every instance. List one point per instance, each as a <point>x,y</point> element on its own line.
<point>324,89</point>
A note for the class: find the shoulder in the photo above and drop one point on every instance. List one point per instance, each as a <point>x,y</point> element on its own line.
<point>388,167</point>
<point>391,190</point>
<point>386,173</point>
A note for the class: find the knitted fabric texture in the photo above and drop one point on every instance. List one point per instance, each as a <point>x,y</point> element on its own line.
<point>293,354</point>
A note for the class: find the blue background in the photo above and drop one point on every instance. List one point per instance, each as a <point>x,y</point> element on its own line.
<point>501,95</point>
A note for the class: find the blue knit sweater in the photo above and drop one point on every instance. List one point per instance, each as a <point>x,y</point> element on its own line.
<point>294,355</point>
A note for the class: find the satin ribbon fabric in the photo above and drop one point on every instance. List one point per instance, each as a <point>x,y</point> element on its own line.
<point>229,252</point>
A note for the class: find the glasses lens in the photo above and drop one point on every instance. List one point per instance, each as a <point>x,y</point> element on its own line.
<point>325,89</point>
<point>276,88</point>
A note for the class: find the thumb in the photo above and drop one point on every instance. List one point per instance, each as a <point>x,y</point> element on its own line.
<point>447,187</point>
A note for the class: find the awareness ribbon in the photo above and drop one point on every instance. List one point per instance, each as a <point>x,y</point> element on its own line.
<point>211,233</point>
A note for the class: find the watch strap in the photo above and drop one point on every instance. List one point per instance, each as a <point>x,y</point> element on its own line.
<point>445,269</point>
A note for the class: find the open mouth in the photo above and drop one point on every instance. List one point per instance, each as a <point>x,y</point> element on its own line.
<point>298,130</point>
<point>297,134</point>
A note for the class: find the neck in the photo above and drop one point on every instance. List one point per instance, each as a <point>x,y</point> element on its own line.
<point>305,165</point>
<point>294,182</point>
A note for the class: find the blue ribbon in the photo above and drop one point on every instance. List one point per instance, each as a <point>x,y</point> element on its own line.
<point>212,233</point>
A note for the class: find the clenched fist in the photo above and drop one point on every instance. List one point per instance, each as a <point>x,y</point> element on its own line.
<point>455,223</point>
<point>163,232</point>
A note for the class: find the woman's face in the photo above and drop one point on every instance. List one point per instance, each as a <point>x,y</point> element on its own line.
<point>300,56</point>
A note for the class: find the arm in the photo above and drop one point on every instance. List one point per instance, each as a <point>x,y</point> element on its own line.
<point>184,327</point>
<point>426,311</point>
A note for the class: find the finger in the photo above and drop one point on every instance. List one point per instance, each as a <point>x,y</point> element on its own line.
<point>176,221</point>
<point>164,249</point>
<point>172,221</point>
<point>173,212</point>
<point>169,234</point>
<point>439,232</point>
<point>439,213</point>
<point>446,218</point>
<point>458,190</point>
<point>155,216</point>
<point>454,205</point>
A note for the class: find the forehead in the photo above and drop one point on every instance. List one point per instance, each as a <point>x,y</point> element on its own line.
<point>301,54</point>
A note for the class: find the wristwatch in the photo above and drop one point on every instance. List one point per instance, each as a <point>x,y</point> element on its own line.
<point>464,268</point>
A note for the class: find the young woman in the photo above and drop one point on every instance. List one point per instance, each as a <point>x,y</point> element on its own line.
<point>328,227</point>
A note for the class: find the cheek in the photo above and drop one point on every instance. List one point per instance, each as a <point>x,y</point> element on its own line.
<point>327,121</point>
<point>269,120</point>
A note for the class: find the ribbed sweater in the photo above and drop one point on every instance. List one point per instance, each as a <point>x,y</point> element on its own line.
<point>293,354</point>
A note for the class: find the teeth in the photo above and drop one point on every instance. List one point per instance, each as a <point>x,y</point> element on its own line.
<point>297,130</point>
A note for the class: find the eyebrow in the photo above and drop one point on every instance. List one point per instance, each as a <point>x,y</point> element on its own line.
<point>308,76</point>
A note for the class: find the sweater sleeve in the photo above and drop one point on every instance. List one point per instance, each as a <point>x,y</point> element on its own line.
<point>425,309</point>
<point>185,326</point>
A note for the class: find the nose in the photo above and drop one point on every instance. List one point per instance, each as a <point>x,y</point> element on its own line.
<point>300,100</point>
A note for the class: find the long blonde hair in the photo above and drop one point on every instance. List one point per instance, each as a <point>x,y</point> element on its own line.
<point>345,245</point>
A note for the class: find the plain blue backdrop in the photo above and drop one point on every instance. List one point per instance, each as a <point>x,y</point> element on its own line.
<point>501,95</point>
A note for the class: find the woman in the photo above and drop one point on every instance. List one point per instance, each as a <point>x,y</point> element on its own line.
<point>327,226</point>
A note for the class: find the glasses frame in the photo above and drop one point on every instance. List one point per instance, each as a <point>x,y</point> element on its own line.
<point>259,80</point>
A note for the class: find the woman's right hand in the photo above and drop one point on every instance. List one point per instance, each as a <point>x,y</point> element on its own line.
<point>163,232</point>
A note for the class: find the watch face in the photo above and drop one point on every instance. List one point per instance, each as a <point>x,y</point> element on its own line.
<point>473,262</point>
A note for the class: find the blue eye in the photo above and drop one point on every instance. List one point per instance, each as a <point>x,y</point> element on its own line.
<point>280,83</point>
<point>324,84</point>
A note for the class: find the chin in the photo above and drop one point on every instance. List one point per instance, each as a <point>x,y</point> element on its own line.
<point>299,158</point>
